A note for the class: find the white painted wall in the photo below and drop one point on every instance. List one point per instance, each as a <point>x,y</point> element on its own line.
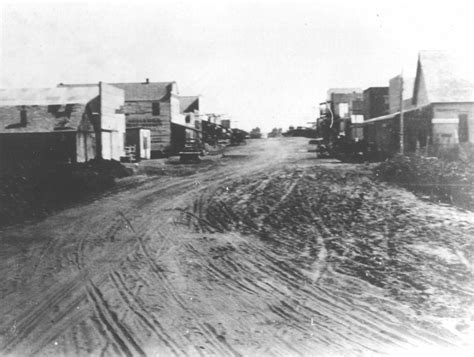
<point>113,121</point>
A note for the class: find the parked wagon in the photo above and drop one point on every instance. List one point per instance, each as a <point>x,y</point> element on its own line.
<point>191,152</point>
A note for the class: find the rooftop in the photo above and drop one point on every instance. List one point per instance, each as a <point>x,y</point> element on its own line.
<point>188,104</point>
<point>138,91</point>
<point>447,77</point>
<point>48,96</point>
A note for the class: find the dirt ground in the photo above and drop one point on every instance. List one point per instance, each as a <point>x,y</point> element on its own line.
<point>266,251</point>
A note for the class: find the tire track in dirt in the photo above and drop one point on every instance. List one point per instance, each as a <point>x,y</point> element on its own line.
<point>217,273</point>
<point>322,307</point>
<point>114,329</point>
<point>219,347</point>
<point>347,315</point>
<point>306,302</point>
<point>67,295</point>
<point>36,318</point>
<point>297,320</point>
<point>137,307</point>
<point>374,329</point>
<point>32,322</point>
<point>157,272</point>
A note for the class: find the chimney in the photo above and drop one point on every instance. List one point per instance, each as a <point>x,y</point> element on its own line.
<point>147,81</point>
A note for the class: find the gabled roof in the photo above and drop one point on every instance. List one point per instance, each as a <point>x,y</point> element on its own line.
<point>48,96</point>
<point>443,77</point>
<point>138,91</point>
<point>58,119</point>
<point>60,102</point>
<point>145,91</point>
<point>188,104</point>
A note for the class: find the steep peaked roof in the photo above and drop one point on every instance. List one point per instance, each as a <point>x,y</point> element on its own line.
<point>188,104</point>
<point>48,96</point>
<point>442,76</point>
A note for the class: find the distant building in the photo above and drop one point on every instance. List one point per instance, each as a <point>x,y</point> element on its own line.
<point>345,100</point>
<point>189,104</point>
<point>225,123</point>
<point>187,128</point>
<point>61,124</point>
<point>154,106</point>
<point>376,102</point>
<point>346,105</point>
<point>189,109</point>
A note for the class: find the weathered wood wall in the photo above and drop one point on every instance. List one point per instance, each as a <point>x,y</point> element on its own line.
<point>139,114</point>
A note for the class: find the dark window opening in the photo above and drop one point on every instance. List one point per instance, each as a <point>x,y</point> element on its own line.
<point>155,108</point>
<point>463,129</point>
<point>53,109</point>
<point>188,119</point>
<point>23,118</point>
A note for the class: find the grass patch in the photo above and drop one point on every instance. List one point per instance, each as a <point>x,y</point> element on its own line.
<point>441,180</point>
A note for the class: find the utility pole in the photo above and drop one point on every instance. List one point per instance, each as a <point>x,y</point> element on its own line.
<point>402,149</point>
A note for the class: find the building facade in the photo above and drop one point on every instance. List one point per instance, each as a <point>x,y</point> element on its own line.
<point>61,125</point>
<point>186,130</point>
<point>150,105</point>
<point>394,93</point>
<point>153,106</point>
<point>346,108</point>
<point>375,102</point>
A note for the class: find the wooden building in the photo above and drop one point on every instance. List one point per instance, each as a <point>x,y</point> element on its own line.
<point>153,106</point>
<point>345,108</point>
<point>375,102</point>
<point>441,113</point>
<point>61,125</point>
<point>186,130</point>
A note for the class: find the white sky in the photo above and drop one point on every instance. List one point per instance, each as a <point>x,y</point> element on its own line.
<point>264,63</point>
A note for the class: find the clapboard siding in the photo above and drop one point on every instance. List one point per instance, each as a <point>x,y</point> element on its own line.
<point>139,114</point>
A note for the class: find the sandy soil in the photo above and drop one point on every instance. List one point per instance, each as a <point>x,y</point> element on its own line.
<point>264,252</point>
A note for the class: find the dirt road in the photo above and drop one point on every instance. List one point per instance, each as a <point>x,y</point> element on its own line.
<point>266,252</point>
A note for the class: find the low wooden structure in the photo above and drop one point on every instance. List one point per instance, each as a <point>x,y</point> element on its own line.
<point>60,125</point>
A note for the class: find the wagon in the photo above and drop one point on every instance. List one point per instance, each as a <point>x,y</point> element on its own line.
<point>318,146</point>
<point>191,152</point>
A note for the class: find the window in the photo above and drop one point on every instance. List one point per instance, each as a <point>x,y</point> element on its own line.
<point>23,118</point>
<point>463,129</point>
<point>188,119</point>
<point>155,108</point>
